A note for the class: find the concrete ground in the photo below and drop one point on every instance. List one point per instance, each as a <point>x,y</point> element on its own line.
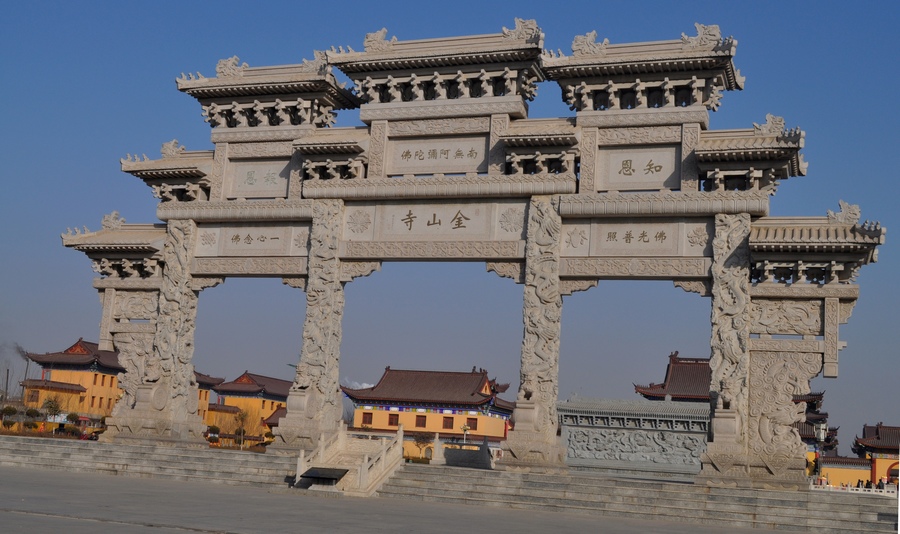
<point>44,500</point>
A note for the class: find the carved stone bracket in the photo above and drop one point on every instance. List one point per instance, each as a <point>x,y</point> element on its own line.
<point>571,285</point>
<point>355,269</point>
<point>297,282</point>
<point>701,287</point>
<point>199,284</point>
<point>514,270</point>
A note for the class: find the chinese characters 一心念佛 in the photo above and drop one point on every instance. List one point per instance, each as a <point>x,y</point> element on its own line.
<point>237,239</point>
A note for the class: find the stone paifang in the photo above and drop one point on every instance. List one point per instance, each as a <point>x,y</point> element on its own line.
<point>447,166</point>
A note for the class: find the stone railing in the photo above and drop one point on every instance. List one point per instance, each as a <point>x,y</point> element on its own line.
<point>375,470</point>
<point>888,491</point>
<point>326,449</point>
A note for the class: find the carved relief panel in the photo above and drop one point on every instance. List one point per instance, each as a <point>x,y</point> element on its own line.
<point>646,237</point>
<point>638,168</point>
<point>448,155</point>
<point>240,240</point>
<point>260,178</point>
<point>461,229</point>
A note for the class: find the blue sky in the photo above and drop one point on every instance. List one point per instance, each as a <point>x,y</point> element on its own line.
<point>85,83</point>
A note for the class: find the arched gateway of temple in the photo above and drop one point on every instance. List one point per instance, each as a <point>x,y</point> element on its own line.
<point>448,166</point>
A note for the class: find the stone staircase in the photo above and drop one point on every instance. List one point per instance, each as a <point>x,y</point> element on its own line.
<point>580,492</point>
<point>156,461</point>
<point>369,458</point>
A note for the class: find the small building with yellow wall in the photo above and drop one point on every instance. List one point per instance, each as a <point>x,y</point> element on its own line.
<point>457,406</point>
<point>879,443</point>
<point>84,380</point>
<point>256,395</point>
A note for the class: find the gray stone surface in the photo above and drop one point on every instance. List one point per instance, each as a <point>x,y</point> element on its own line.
<point>39,500</point>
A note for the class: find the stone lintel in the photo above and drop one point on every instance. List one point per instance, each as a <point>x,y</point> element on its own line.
<point>787,345</point>
<point>805,291</point>
<point>260,134</point>
<point>153,283</point>
<point>663,204</point>
<point>442,187</point>
<point>255,266</point>
<point>514,106</point>
<point>237,211</point>
<point>447,250</point>
<point>612,118</point>
<point>634,268</point>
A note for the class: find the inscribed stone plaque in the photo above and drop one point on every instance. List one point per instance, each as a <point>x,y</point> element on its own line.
<point>252,240</point>
<point>435,221</point>
<point>258,178</point>
<point>636,237</point>
<point>428,156</point>
<point>639,169</point>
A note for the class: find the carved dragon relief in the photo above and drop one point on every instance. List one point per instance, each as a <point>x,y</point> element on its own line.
<point>775,378</point>
<point>730,342</point>
<point>170,369</point>
<point>317,373</point>
<point>542,311</point>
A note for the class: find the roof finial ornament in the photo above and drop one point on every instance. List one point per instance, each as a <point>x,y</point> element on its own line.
<point>376,42</point>
<point>112,221</point>
<point>708,37</point>
<point>774,126</point>
<point>172,149</point>
<point>230,67</point>
<point>849,213</point>
<point>587,44</point>
<point>527,30</point>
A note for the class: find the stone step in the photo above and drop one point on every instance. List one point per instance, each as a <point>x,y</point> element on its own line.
<point>604,495</point>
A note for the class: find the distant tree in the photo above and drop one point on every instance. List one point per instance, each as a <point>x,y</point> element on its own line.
<point>8,411</point>
<point>51,406</point>
<point>32,413</point>
<point>212,429</point>
<point>422,440</point>
<point>241,419</point>
<point>72,418</point>
<point>7,424</point>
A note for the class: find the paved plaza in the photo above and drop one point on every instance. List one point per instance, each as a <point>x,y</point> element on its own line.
<point>43,500</point>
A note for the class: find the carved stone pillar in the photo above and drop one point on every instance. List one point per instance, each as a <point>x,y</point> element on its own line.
<point>165,400</point>
<point>533,442</point>
<point>777,454</point>
<point>727,458</point>
<point>314,402</point>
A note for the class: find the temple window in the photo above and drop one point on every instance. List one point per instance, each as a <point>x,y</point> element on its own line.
<point>683,97</point>
<point>601,100</point>
<point>33,395</point>
<point>448,423</point>
<point>95,379</point>
<point>393,419</point>
<point>472,423</point>
<point>420,421</point>
<point>367,418</point>
<point>628,99</point>
<point>656,98</point>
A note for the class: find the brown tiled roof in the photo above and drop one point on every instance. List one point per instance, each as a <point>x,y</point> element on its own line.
<point>688,379</point>
<point>253,384</point>
<point>206,380</point>
<point>843,461</point>
<point>224,408</point>
<point>86,353</point>
<point>880,437</point>
<point>83,353</point>
<point>272,420</point>
<point>50,384</point>
<point>431,387</point>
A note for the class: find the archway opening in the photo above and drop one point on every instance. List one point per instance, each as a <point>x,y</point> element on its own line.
<point>621,333</point>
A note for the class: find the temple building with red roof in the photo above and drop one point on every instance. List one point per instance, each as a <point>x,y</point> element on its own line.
<point>881,444</point>
<point>83,379</point>
<point>452,404</point>
<point>258,396</point>
<point>688,379</point>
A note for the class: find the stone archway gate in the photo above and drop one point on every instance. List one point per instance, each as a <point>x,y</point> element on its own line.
<point>448,166</point>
